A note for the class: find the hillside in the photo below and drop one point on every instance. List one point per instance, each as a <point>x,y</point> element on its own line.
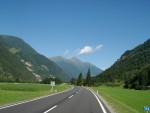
<point>74,66</point>
<point>12,69</point>
<point>130,64</point>
<point>37,64</point>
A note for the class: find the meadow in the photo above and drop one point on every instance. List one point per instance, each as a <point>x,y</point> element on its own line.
<point>125,100</point>
<point>14,92</point>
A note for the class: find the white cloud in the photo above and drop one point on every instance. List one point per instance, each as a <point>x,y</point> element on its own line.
<point>88,49</point>
<point>81,51</point>
<point>66,52</point>
<point>98,47</point>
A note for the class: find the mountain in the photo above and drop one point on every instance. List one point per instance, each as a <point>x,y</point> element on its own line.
<point>12,69</point>
<point>130,64</point>
<point>74,66</point>
<point>35,63</point>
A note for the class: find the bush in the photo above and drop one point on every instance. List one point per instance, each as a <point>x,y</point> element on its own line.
<point>140,87</point>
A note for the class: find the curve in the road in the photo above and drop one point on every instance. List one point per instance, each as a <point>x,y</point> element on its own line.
<point>76,100</point>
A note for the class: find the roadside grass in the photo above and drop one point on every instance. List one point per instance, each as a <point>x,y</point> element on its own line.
<point>12,92</point>
<point>125,100</point>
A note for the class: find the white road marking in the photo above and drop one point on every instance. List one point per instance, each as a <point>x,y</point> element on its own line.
<point>71,96</point>
<point>11,105</point>
<point>50,109</point>
<point>104,111</point>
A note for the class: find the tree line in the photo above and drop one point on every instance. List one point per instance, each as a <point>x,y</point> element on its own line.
<point>80,81</point>
<point>140,81</point>
<point>47,80</point>
<point>131,70</point>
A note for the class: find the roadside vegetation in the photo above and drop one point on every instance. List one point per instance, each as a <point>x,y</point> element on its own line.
<point>125,100</point>
<point>47,80</point>
<point>133,68</point>
<point>121,95</point>
<point>14,92</point>
<point>80,81</point>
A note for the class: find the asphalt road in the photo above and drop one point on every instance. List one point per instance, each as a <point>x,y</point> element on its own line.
<point>77,100</point>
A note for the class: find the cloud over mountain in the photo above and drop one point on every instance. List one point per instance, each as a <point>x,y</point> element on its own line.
<point>89,49</point>
<point>82,51</point>
<point>85,50</point>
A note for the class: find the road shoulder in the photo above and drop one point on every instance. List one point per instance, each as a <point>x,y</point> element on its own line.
<point>104,102</point>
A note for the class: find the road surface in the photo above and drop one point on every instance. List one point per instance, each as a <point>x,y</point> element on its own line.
<point>76,100</point>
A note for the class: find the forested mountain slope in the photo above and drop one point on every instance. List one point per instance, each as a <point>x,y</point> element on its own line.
<point>130,64</point>
<point>37,64</point>
<point>75,66</point>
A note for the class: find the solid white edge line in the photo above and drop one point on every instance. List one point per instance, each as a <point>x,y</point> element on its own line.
<point>50,109</point>
<point>104,111</point>
<point>38,98</point>
<point>71,96</point>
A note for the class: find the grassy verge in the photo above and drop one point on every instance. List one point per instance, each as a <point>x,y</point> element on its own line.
<point>11,92</point>
<point>125,100</point>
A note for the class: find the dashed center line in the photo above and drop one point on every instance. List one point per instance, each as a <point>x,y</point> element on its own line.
<point>56,105</point>
<point>50,109</point>
<point>71,96</point>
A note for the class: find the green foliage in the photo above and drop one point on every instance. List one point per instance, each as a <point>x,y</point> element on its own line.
<point>22,51</point>
<point>73,81</point>
<point>11,68</point>
<point>125,100</point>
<point>88,81</point>
<point>48,80</point>
<point>80,80</point>
<point>74,66</point>
<point>45,67</point>
<point>13,92</point>
<point>127,67</point>
<point>140,81</point>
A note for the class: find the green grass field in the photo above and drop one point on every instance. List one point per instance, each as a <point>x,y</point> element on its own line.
<point>125,100</point>
<point>11,92</point>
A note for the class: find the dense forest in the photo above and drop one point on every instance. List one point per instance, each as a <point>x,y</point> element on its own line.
<point>132,69</point>
<point>140,81</point>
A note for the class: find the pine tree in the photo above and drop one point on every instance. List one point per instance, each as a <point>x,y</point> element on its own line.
<point>73,81</point>
<point>80,80</point>
<point>89,78</point>
<point>149,76</point>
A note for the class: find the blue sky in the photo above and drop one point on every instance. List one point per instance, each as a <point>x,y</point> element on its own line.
<point>96,31</point>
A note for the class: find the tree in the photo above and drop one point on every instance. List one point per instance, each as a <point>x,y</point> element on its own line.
<point>140,80</point>
<point>47,80</point>
<point>88,81</point>
<point>73,81</point>
<point>143,77</point>
<point>149,76</point>
<point>80,80</point>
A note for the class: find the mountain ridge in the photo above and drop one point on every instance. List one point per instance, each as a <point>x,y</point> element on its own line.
<point>38,64</point>
<point>12,69</point>
<point>130,63</point>
<point>74,66</point>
